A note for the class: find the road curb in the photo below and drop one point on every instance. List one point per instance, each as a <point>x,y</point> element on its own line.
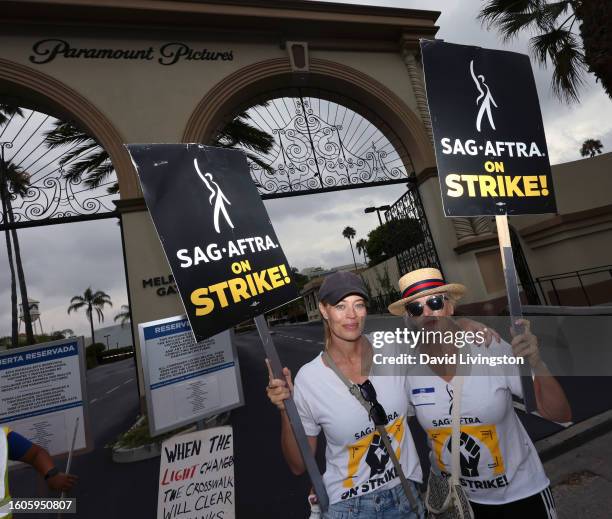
<point>131,455</point>
<point>153,450</point>
<point>574,436</point>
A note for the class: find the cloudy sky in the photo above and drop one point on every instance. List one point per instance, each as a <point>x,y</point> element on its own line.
<point>62,261</point>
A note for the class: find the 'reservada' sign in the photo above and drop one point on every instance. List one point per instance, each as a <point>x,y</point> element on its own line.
<point>45,51</point>
<point>221,247</point>
<point>488,132</point>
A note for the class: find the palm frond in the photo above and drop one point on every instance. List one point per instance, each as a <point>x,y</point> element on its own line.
<point>239,132</point>
<point>550,12</point>
<point>77,152</point>
<point>76,306</point>
<point>495,10</point>
<point>7,111</point>
<point>565,53</point>
<point>86,165</point>
<point>18,179</point>
<point>511,25</point>
<point>268,168</point>
<point>98,175</point>
<point>66,133</point>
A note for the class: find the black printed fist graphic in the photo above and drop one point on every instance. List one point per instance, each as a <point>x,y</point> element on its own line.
<point>469,455</point>
<point>377,456</point>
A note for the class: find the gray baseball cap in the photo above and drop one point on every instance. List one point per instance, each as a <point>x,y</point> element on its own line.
<point>338,285</point>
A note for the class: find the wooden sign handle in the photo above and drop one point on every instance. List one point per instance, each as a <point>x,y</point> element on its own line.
<point>292,414</point>
<point>514,304</point>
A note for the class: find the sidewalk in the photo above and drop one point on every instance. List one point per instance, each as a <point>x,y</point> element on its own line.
<point>582,479</point>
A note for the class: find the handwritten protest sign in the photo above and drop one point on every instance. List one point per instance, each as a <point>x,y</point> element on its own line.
<point>196,476</point>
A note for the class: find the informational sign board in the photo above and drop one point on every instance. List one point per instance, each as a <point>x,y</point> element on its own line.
<point>186,381</point>
<point>488,132</point>
<point>196,476</point>
<point>215,231</point>
<point>42,394</point>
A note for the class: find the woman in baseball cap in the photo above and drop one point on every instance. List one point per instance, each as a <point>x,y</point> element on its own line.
<point>335,394</point>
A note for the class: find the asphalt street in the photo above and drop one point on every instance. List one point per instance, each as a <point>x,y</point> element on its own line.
<point>265,488</point>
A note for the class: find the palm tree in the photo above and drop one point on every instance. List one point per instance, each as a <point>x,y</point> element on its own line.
<point>9,253</point>
<point>16,183</point>
<point>591,147</point>
<point>91,301</point>
<point>361,247</point>
<point>87,159</point>
<point>552,22</point>
<point>349,234</point>
<point>7,112</point>
<point>124,315</point>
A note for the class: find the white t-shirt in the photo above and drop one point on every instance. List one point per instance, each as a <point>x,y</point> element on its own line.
<point>499,463</point>
<point>356,459</point>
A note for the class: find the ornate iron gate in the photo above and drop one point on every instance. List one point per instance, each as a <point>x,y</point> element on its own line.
<point>48,197</point>
<point>323,142</point>
<point>421,251</point>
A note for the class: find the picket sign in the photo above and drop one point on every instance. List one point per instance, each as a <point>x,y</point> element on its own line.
<point>490,146</point>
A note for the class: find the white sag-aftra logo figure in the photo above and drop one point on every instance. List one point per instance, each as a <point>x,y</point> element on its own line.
<point>485,99</point>
<point>217,199</point>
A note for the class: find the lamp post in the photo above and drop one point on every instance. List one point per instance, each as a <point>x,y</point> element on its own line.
<point>106,337</point>
<point>378,210</point>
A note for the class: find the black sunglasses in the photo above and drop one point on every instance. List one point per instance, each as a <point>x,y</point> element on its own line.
<point>415,309</point>
<point>377,411</point>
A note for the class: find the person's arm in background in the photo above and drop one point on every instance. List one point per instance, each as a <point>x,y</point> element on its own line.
<point>22,449</point>
<point>550,397</point>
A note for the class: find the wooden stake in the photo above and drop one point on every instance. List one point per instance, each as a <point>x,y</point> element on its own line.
<point>292,414</point>
<point>514,304</point>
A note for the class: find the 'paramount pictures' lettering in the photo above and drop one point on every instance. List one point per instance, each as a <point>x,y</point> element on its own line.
<point>45,51</point>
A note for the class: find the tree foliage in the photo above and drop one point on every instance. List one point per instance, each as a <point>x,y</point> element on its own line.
<point>391,238</point>
<point>125,316</point>
<point>92,302</point>
<point>591,147</point>
<point>554,41</point>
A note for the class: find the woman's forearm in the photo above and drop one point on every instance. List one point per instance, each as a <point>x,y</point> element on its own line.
<point>550,397</point>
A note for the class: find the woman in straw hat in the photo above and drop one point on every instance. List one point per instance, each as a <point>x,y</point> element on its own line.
<point>360,477</point>
<point>501,472</point>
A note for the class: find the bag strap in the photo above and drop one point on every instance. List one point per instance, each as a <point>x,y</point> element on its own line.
<point>456,429</point>
<point>382,431</point>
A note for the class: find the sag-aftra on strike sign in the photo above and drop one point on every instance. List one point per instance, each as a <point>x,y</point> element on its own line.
<point>215,231</point>
<point>488,133</point>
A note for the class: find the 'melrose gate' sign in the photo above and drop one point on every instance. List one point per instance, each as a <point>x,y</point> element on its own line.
<point>215,231</point>
<point>488,132</point>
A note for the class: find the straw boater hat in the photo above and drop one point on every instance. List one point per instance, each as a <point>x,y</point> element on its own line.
<point>423,282</point>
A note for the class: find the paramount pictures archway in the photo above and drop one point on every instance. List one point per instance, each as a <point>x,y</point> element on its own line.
<point>234,55</point>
